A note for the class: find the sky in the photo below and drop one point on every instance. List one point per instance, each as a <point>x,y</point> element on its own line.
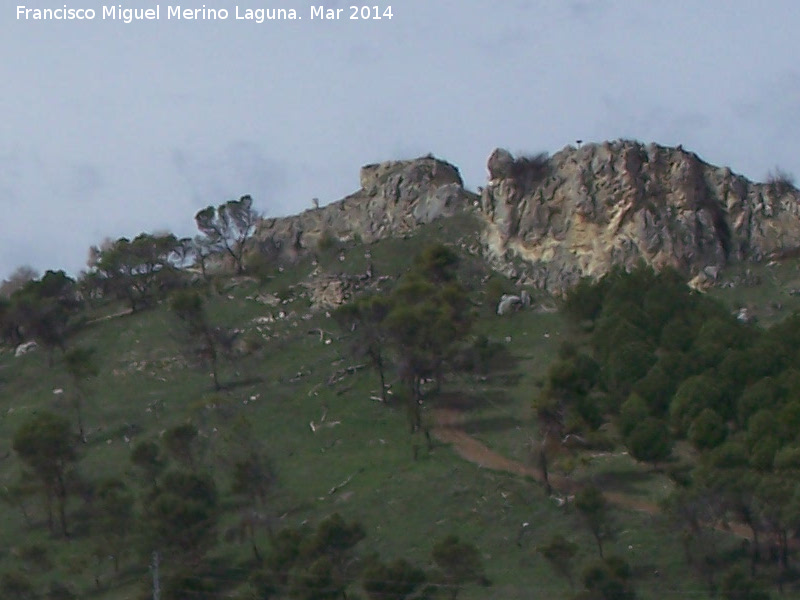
<point>110,129</point>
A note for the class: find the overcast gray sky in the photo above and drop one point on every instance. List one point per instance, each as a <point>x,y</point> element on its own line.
<point>111,129</point>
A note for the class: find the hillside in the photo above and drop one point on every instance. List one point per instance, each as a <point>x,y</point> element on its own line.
<point>513,391</point>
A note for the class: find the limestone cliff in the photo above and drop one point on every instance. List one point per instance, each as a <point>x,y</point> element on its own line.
<point>394,198</point>
<point>618,203</point>
<point>550,221</point>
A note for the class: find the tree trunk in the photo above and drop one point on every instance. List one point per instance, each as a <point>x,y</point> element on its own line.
<point>543,467</point>
<point>217,386</point>
<point>414,414</point>
<point>756,554</point>
<point>76,404</point>
<point>49,503</point>
<point>202,258</point>
<point>25,514</point>
<point>417,404</point>
<point>212,353</point>
<point>382,375</point>
<point>783,536</point>
<point>61,496</point>
<point>253,545</point>
<point>62,513</point>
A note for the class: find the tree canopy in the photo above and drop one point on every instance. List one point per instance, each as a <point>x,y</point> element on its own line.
<point>228,227</point>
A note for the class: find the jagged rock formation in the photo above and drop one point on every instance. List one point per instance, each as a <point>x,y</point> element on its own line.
<point>549,222</point>
<point>620,203</point>
<point>395,197</point>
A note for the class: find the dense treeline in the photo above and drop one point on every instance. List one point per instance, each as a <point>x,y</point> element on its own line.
<point>666,365</point>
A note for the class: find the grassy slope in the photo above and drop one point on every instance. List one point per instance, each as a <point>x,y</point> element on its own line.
<point>764,289</point>
<point>405,505</point>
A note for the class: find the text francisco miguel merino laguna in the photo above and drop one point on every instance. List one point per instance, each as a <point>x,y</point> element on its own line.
<point>176,12</point>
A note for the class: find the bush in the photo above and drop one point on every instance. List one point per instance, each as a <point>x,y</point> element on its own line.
<point>59,591</point>
<point>259,265</point>
<point>327,241</point>
<point>632,412</point>
<point>529,171</point>
<point>780,183</point>
<point>737,584</point>
<point>585,300</point>
<point>708,430</point>
<point>600,441</point>
<point>480,356</point>
<point>649,441</point>
<point>15,584</point>
<point>496,287</point>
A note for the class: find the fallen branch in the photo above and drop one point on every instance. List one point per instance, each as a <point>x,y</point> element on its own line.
<point>336,488</point>
<point>342,373</point>
<point>322,423</point>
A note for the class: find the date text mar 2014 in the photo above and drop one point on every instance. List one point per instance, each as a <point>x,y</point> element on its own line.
<point>362,13</point>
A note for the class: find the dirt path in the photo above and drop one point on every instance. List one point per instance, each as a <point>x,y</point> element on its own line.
<point>448,430</point>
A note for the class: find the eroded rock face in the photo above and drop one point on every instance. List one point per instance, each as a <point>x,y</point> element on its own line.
<point>395,197</point>
<point>620,203</point>
<point>550,222</point>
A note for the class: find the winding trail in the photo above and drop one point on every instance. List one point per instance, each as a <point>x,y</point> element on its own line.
<point>448,429</point>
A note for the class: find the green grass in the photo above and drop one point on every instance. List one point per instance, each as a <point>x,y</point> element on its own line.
<point>765,289</point>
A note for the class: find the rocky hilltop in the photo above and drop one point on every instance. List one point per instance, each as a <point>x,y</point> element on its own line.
<point>550,221</point>
<point>395,197</point>
<point>619,203</point>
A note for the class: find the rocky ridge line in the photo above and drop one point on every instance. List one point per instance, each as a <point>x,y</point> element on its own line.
<point>395,197</point>
<point>548,222</point>
<point>621,203</point>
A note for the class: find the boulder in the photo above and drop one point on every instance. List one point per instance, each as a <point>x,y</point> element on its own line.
<point>23,349</point>
<point>500,164</point>
<point>508,303</point>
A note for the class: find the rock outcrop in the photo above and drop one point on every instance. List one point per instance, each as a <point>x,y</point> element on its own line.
<point>549,222</point>
<point>395,197</point>
<point>621,203</point>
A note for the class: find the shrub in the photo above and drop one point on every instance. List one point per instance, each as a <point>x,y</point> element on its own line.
<point>496,287</point>
<point>529,171</point>
<point>649,441</point>
<point>780,182</point>
<point>708,430</point>
<point>259,265</point>
<point>327,241</point>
